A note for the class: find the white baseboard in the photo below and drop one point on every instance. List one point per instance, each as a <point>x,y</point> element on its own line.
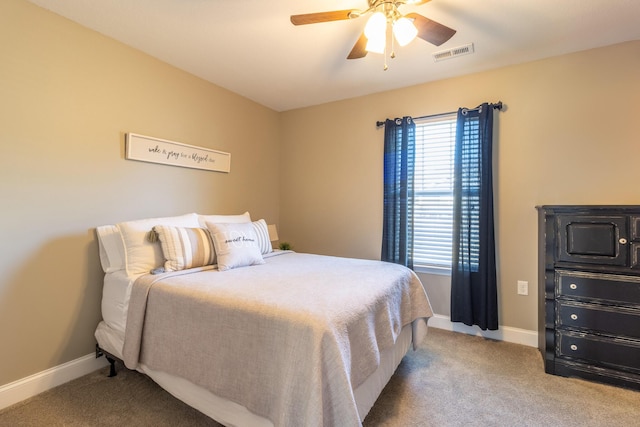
<point>32,385</point>
<point>504,333</point>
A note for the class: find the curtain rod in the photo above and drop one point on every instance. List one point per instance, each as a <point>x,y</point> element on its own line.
<point>496,106</point>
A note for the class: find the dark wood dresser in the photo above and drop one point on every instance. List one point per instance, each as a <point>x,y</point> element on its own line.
<point>589,292</point>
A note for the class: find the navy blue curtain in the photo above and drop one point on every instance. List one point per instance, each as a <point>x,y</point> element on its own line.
<point>399,156</point>
<point>474,295</point>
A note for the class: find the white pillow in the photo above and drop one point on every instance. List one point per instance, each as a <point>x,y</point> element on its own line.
<point>110,248</point>
<point>141,254</point>
<point>223,219</point>
<point>236,245</point>
<point>262,233</point>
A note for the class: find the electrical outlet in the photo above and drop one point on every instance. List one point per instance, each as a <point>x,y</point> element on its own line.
<point>523,287</point>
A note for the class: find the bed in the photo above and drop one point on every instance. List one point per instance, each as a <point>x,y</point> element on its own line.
<point>248,335</point>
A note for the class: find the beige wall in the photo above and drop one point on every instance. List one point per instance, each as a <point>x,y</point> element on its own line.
<point>568,136</point>
<point>67,96</point>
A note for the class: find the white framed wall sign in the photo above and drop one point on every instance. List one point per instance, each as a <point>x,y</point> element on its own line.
<point>155,150</point>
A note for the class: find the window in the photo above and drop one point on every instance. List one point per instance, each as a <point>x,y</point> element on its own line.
<point>433,193</point>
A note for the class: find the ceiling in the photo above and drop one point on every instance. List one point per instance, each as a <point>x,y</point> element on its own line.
<point>251,48</point>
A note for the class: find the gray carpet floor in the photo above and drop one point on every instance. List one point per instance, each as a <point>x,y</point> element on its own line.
<point>451,380</point>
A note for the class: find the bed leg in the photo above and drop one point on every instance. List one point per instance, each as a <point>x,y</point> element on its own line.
<point>110,359</point>
<point>112,368</point>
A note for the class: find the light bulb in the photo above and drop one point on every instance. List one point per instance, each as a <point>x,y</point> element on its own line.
<point>376,33</point>
<point>376,25</point>
<point>376,45</point>
<point>404,31</point>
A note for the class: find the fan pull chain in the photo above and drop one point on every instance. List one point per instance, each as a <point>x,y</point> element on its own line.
<point>393,47</point>
<point>393,51</point>
<point>386,67</point>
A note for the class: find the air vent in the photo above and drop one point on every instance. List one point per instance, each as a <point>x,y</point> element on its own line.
<point>450,53</point>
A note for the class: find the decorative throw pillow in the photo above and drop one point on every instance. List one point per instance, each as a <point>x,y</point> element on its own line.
<point>262,233</point>
<point>236,245</point>
<point>185,247</point>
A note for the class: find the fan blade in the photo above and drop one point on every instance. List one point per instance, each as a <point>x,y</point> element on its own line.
<point>314,18</point>
<point>431,31</point>
<point>359,49</point>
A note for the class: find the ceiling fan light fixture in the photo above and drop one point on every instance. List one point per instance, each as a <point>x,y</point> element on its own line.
<point>376,45</point>
<point>404,31</point>
<point>376,26</point>
<point>376,33</point>
<point>384,25</point>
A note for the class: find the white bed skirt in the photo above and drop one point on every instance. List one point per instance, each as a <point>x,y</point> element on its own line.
<point>230,413</point>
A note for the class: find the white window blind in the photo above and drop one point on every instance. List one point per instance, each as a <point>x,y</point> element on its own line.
<point>433,196</point>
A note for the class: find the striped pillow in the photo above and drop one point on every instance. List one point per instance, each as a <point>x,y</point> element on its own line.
<point>262,232</point>
<point>185,247</point>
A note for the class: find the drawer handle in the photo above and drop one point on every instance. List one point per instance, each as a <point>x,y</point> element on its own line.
<point>574,347</point>
<point>574,317</point>
<point>622,241</point>
<point>573,286</point>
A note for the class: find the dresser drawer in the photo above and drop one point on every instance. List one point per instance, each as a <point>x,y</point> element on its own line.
<point>600,318</point>
<point>592,239</point>
<point>601,350</point>
<point>610,287</point>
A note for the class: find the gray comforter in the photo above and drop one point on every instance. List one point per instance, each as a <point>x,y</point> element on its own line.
<point>290,339</point>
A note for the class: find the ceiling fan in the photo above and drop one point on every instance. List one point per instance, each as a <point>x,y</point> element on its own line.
<point>384,15</point>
